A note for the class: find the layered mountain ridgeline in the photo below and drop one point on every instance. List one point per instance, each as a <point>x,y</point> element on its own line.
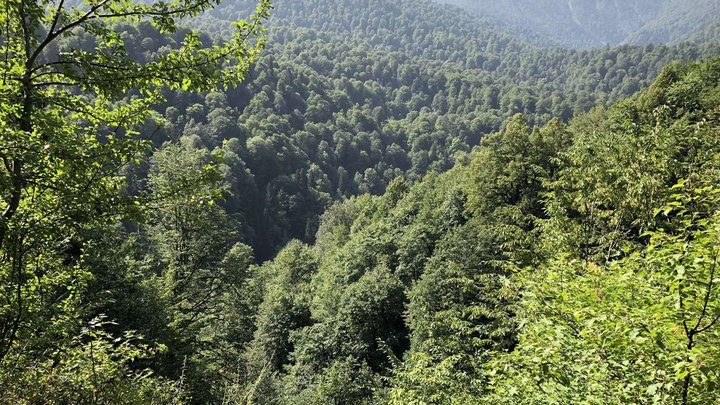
<point>557,263</point>
<point>352,94</point>
<point>597,23</point>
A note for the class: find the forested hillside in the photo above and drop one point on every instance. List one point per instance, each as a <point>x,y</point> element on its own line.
<point>352,94</point>
<point>597,23</point>
<point>556,264</point>
<point>351,202</point>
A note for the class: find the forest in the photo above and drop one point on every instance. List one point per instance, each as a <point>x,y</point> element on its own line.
<point>358,202</point>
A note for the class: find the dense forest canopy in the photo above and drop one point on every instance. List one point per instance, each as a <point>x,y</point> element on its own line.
<point>352,94</point>
<point>557,264</point>
<point>359,202</point>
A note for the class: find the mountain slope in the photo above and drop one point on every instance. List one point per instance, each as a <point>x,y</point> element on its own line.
<point>418,289</point>
<point>352,94</point>
<point>596,23</point>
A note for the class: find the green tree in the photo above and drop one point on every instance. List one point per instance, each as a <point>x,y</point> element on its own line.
<point>69,117</point>
<point>641,329</point>
<point>191,235</point>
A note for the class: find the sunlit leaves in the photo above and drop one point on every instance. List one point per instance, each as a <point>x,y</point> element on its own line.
<point>71,116</point>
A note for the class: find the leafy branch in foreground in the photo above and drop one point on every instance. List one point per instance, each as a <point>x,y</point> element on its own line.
<point>69,117</point>
<point>641,329</point>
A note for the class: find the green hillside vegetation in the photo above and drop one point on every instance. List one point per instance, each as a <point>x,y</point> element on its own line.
<point>372,201</point>
<point>352,94</point>
<point>560,263</point>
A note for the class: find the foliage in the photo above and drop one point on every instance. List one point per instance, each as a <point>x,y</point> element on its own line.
<point>548,268</point>
<point>353,94</point>
<point>641,329</point>
<point>476,245</point>
<point>71,117</point>
<point>94,367</point>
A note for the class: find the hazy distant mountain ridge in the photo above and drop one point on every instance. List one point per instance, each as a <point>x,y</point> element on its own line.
<point>596,23</point>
